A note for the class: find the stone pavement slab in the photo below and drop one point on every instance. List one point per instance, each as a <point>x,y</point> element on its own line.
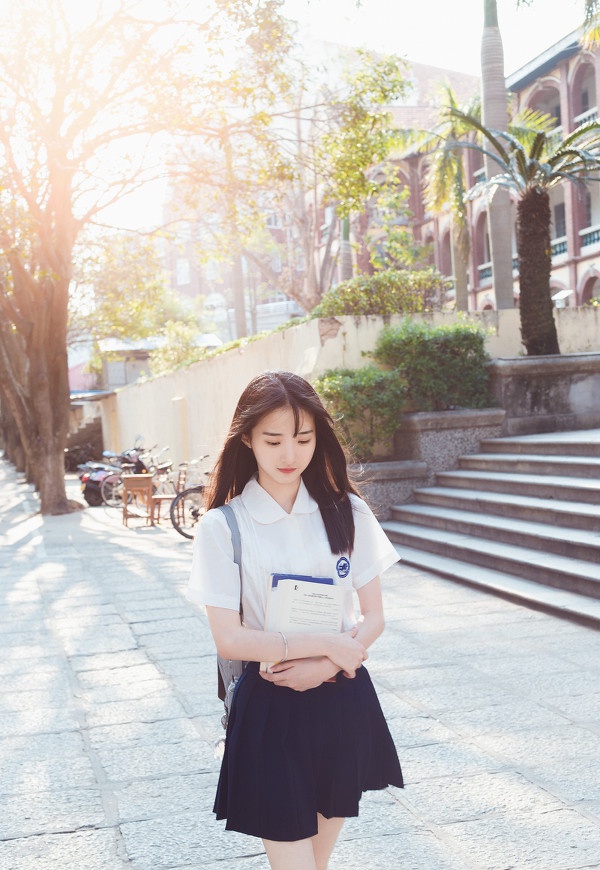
<point>108,715</point>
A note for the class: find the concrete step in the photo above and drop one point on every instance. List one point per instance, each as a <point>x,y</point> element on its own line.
<point>578,515</point>
<point>572,542</point>
<point>579,489</point>
<point>559,602</point>
<point>573,575</point>
<point>528,463</point>
<point>585,442</point>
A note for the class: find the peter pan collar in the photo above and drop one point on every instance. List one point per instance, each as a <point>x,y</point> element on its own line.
<point>263,508</point>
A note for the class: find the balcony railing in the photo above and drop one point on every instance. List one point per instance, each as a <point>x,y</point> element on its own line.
<point>485,270</point>
<point>555,136</point>
<point>485,273</point>
<point>559,246</point>
<point>586,117</point>
<point>589,236</point>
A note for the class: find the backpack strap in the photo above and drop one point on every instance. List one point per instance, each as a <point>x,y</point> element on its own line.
<point>236,540</point>
<point>232,522</point>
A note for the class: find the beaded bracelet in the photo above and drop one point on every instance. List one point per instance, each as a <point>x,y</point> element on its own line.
<point>285,655</point>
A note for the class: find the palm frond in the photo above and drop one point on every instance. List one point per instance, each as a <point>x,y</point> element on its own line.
<point>591,25</point>
<point>527,120</point>
<point>440,177</point>
<point>487,189</point>
<point>492,136</point>
<point>538,146</point>
<point>589,131</point>
<point>412,141</point>
<point>473,146</point>
<point>578,159</point>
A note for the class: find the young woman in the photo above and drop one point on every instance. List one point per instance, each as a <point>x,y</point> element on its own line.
<point>307,738</point>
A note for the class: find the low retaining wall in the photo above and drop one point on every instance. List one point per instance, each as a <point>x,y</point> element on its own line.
<point>439,438</point>
<point>424,444</point>
<point>384,484</point>
<point>548,393</point>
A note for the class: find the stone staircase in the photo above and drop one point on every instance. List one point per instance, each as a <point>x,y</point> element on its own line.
<point>520,519</point>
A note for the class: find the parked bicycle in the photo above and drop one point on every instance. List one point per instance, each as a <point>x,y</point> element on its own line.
<point>187,508</point>
<point>93,473</point>
<point>111,488</point>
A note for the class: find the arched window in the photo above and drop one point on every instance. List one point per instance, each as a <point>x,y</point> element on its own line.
<point>591,289</point>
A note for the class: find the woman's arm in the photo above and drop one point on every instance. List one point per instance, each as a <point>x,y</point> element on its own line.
<point>235,641</point>
<point>372,621</point>
<point>308,673</point>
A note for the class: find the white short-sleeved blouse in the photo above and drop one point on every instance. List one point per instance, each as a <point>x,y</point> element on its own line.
<point>274,541</point>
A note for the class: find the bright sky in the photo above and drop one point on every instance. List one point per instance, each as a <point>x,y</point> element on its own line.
<point>439,32</point>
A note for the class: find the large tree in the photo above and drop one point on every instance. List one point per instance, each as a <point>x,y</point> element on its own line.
<point>83,95</point>
<point>529,166</point>
<point>309,166</point>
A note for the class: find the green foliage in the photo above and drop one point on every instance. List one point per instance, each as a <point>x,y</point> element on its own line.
<point>365,130</point>
<point>444,366</point>
<point>427,368</point>
<point>391,242</point>
<point>366,402</point>
<point>388,292</point>
<point>120,290</point>
<point>179,349</point>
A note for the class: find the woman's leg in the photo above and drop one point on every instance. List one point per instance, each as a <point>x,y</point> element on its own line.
<point>297,855</point>
<point>325,840</point>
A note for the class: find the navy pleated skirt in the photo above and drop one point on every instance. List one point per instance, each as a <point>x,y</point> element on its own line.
<point>290,755</point>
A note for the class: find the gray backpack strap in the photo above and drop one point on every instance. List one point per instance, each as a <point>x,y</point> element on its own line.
<point>228,670</point>
<point>235,533</point>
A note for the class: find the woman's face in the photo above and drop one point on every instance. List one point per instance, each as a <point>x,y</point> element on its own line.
<point>281,455</point>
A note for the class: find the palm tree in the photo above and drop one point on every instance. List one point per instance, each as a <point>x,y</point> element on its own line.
<point>446,185</point>
<point>495,116</point>
<point>493,92</point>
<point>530,165</point>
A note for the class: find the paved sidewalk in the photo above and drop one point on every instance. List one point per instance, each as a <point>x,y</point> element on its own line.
<point>108,715</point>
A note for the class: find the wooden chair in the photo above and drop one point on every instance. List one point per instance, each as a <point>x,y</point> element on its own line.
<point>137,497</point>
<point>160,498</point>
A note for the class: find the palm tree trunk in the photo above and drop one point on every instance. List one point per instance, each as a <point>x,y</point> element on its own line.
<point>495,117</point>
<point>346,268</point>
<point>538,330</point>
<point>460,268</point>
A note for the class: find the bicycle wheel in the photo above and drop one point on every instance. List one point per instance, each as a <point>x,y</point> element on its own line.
<point>111,490</point>
<point>187,510</point>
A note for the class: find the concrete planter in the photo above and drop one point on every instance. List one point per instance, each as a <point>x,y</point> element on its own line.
<point>438,438</point>
<point>384,484</point>
<point>425,443</point>
<point>547,393</point>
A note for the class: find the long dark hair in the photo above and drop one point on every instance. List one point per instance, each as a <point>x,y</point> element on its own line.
<point>326,477</point>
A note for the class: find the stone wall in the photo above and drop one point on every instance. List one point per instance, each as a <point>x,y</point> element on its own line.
<point>384,484</point>
<point>548,393</point>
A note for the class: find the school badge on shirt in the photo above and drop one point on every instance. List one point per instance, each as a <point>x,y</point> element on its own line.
<point>342,566</point>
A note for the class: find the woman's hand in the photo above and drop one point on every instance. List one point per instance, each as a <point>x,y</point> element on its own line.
<point>347,653</point>
<point>301,674</point>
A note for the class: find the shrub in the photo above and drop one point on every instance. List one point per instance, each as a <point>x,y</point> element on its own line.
<point>366,403</point>
<point>385,293</point>
<point>444,366</point>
